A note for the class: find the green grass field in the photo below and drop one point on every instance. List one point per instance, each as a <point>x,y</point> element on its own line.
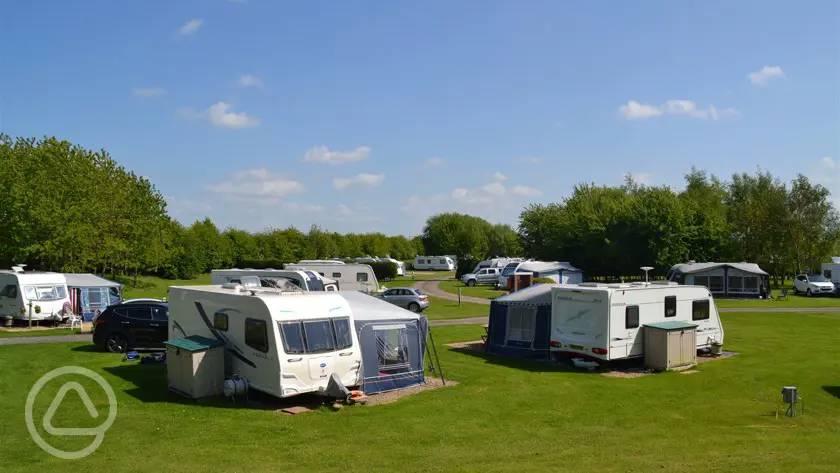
<point>485,292</point>
<point>504,415</point>
<point>446,309</point>
<point>37,332</point>
<point>155,287</point>
<point>790,301</point>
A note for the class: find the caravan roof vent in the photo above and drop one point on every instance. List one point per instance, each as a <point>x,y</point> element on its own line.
<point>18,268</point>
<point>664,283</point>
<point>590,284</point>
<point>237,288</point>
<point>251,282</point>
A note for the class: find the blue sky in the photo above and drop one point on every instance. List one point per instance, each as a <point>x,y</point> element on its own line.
<point>363,116</point>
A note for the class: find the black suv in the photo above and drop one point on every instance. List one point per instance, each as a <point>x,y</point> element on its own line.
<point>132,325</point>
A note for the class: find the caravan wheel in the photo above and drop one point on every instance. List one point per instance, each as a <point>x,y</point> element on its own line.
<point>116,343</point>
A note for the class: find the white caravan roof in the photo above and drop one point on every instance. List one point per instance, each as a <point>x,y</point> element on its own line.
<point>546,266</point>
<point>538,294</point>
<point>636,286</point>
<point>36,277</point>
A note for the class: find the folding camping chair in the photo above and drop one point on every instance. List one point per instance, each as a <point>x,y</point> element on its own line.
<point>782,294</point>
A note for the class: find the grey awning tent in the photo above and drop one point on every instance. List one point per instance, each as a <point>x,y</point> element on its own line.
<point>520,323</point>
<point>91,294</point>
<point>392,340</point>
<point>88,280</point>
<point>723,279</point>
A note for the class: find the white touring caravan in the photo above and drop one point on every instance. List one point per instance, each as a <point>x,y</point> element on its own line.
<point>831,271</point>
<point>45,292</point>
<point>435,263</point>
<point>499,263</point>
<point>604,321</point>
<point>281,343</point>
<point>306,280</point>
<point>350,277</point>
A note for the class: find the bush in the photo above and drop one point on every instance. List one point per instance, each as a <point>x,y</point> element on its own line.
<point>465,265</point>
<point>384,270</point>
<point>543,281</point>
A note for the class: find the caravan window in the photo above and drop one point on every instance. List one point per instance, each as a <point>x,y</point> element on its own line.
<point>220,321</point>
<point>45,293</point>
<point>361,277</point>
<point>336,275</point>
<point>700,309</point>
<point>670,306</point>
<point>343,336</point>
<point>631,316</point>
<point>292,337</point>
<point>256,335</point>
<point>392,349</point>
<point>521,323</point>
<point>319,336</point>
<point>9,291</point>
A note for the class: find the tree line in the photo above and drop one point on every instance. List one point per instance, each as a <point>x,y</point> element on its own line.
<point>612,231</point>
<point>66,208</point>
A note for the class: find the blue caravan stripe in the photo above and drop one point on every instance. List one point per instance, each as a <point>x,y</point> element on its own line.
<point>235,350</point>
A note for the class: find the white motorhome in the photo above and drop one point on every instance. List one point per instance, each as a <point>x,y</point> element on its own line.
<point>604,321</point>
<point>436,263</point>
<point>831,271</point>
<point>282,343</point>
<point>44,293</point>
<point>350,277</point>
<point>306,280</point>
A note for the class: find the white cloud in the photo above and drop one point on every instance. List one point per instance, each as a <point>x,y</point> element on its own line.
<point>191,27</point>
<point>525,191</point>
<point>322,154</point>
<point>359,180</point>
<point>499,176</point>
<point>765,74</point>
<point>434,162</point>
<point>148,91</point>
<point>634,110</point>
<point>257,184</point>
<point>221,115</point>
<point>494,188</point>
<point>250,80</point>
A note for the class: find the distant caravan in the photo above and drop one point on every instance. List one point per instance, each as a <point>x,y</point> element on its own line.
<point>350,276</point>
<point>434,263</point>
<point>276,278</point>
<point>605,321</point>
<point>34,294</point>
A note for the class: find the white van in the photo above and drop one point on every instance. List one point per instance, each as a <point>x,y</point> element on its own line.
<point>282,343</point>
<point>435,263</point>
<point>305,280</point>
<point>350,277</point>
<point>46,293</point>
<point>604,321</point>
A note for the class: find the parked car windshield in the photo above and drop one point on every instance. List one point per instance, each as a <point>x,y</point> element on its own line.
<point>45,293</point>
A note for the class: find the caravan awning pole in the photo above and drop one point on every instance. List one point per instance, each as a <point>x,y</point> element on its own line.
<point>440,371</point>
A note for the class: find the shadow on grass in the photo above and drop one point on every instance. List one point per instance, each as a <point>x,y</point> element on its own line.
<point>833,390</point>
<point>151,386</point>
<point>541,364</point>
<point>87,348</point>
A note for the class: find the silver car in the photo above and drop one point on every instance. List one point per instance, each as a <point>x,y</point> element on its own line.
<point>406,297</point>
<point>483,276</point>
